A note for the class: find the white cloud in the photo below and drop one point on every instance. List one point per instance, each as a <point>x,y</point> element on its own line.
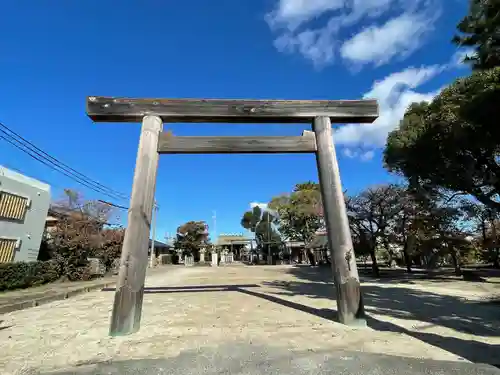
<point>362,155</point>
<point>367,155</point>
<point>397,38</point>
<point>349,153</point>
<point>292,13</point>
<point>314,45</point>
<point>297,21</point>
<point>394,94</point>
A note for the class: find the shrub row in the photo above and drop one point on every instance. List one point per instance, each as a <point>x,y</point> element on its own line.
<point>27,274</point>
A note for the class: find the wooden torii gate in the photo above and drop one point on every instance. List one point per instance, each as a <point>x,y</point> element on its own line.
<point>153,141</point>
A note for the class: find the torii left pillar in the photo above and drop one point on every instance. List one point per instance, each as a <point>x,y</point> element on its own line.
<point>127,308</point>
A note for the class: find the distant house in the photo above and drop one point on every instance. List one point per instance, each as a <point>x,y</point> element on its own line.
<point>319,241</point>
<point>24,203</point>
<point>295,250</point>
<point>319,247</point>
<point>54,215</point>
<point>160,248</point>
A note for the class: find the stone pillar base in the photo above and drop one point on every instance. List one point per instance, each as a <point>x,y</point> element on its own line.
<point>215,262</point>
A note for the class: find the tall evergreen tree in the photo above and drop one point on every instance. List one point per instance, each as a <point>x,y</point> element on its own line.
<point>480,29</point>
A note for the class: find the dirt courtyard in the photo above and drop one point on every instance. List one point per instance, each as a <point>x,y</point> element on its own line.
<point>286,307</point>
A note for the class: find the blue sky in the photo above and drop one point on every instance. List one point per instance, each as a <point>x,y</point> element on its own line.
<point>54,53</point>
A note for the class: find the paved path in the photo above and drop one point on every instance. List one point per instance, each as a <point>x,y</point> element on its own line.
<point>278,308</point>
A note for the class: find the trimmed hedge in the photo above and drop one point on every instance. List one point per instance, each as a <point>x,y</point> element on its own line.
<point>27,274</point>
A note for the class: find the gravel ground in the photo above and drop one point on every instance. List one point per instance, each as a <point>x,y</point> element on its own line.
<point>280,308</point>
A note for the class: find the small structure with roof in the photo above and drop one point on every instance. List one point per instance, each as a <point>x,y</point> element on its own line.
<point>319,247</point>
<point>234,243</point>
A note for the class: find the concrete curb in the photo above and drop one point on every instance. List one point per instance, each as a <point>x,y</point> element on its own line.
<point>56,297</point>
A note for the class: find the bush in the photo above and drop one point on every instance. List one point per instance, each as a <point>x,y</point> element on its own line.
<point>27,274</point>
<point>72,262</point>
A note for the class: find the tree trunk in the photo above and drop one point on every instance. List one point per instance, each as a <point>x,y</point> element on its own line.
<point>483,231</point>
<point>496,256</point>
<point>455,257</point>
<point>375,269</point>
<point>495,241</point>
<point>390,254</point>
<point>407,257</point>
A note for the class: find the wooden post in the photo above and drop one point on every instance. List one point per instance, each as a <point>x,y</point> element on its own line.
<point>152,257</point>
<point>169,144</point>
<point>345,273</point>
<point>127,308</point>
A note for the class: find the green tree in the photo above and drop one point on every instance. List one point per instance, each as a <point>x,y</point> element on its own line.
<point>262,224</point>
<point>299,213</point>
<point>191,237</point>
<point>251,219</point>
<point>480,29</point>
<point>454,141</point>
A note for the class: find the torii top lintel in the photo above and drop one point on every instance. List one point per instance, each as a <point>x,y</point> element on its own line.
<point>113,109</point>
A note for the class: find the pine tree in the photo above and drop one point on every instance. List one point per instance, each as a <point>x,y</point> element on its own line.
<point>480,29</point>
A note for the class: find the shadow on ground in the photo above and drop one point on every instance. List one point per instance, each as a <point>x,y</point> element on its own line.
<point>404,303</point>
<point>2,327</point>
<point>399,275</point>
<point>243,359</point>
<point>192,288</point>
<point>386,300</point>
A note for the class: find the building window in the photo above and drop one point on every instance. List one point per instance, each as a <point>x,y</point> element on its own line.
<point>7,248</point>
<point>12,207</point>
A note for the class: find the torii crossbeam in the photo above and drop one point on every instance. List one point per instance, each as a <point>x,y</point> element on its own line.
<point>153,113</point>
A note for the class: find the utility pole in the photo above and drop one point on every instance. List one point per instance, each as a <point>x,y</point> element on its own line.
<point>153,224</point>
<point>214,218</point>
<point>269,257</point>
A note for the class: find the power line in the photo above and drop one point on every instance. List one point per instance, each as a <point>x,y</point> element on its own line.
<point>53,160</point>
<point>55,167</point>
<point>38,154</point>
<point>112,204</point>
<point>41,160</point>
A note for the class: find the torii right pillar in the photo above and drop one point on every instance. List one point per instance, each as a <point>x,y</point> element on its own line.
<point>343,260</point>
